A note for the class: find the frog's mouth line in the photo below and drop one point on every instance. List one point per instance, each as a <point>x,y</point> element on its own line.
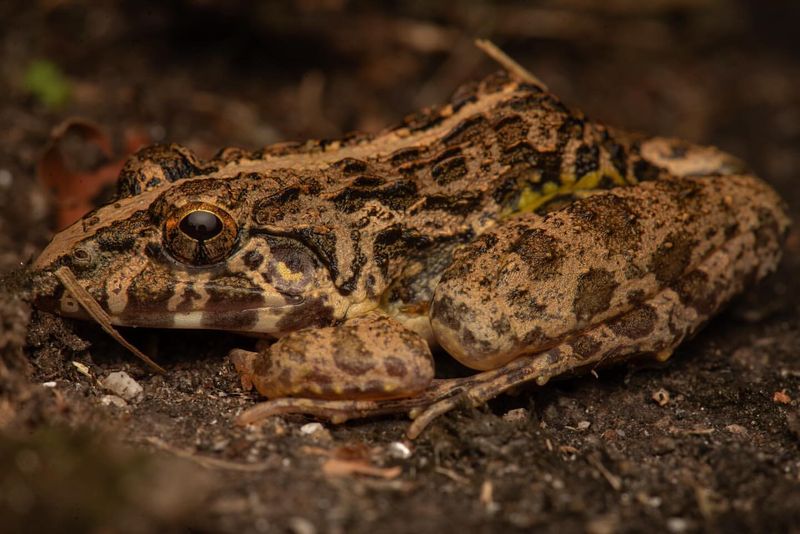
<point>265,317</point>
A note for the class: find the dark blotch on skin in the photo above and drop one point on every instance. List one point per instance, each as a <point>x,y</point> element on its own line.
<point>397,241</point>
<point>501,325</point>
<point>175,162</point>
<point>768,229</point>
<point>587,159</point>
<point>511,129</point>
<point>350,355</point>
<point>585,347</point>
<point>618,156</point>
<point>593,294</point>
<point>229,320</point>
<point>396,195</point>
<point>636,323</point>
<point>234,290</point>
<point>524,305</point>
<point>644,171</point>
<point>253,259</point>
<point>468,130</point>
<point>118,237</point>
<point>318,377</point>
<point>322,242</point>
<point>314,312</point>
<point>368,181</point>
<point>351,166</point>
<point>275,206</point>
<point>150,289</point>
<point>636,296</point>
<point>611,218</point>
<point>695,290</point>
<point>405,155</point>
<point>523,156</point>
<point>462,204</point>
<point>190,295</point>
<point>535,338</point>
<point>449,170</point>
<point>672,257</point>
<point>539,252</point>
<point>395,367</point>
<point>447,312</point>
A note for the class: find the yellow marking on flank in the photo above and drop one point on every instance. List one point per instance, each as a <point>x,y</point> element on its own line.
<point>531,199</point>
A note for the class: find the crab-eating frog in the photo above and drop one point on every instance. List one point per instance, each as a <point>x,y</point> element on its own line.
<point>520,237</point>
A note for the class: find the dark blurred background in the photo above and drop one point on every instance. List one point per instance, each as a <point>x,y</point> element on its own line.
<point>214,73</point>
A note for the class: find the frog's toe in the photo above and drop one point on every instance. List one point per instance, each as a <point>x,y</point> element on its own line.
<point>243,361</point>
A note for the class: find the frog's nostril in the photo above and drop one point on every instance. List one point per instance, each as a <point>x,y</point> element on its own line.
<point>82,256</point>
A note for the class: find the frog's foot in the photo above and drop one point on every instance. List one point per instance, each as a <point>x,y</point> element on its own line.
<point>440,397</point>
<point>339,411</point>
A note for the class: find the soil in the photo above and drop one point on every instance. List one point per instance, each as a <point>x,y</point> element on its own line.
<point>705,442</point>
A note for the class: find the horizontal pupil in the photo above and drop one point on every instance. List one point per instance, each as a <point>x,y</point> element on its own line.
<point>201,225</point>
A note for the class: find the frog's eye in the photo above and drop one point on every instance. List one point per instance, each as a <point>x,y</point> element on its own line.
<point>201,225</point>
<point>200,234</point>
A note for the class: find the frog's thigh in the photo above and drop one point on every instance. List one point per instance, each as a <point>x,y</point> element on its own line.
<point>370,358</point>
<point>626,271</point>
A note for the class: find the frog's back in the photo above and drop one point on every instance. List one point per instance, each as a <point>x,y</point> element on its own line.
<point>382,213</point>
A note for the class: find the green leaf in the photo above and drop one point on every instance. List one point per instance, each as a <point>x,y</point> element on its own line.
<point>45,81</point>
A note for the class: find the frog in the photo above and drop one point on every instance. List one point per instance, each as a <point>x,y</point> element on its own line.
<point>502,228</point>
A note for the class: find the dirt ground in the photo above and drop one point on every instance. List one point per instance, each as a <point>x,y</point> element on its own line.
<point>708,441</point>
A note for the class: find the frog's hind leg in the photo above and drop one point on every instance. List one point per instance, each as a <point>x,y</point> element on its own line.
<point>627,272</point>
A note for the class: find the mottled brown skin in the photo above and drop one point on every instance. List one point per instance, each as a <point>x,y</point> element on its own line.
<point>524,239</point>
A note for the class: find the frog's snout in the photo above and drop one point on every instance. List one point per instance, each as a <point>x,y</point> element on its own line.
<point>50,295</point>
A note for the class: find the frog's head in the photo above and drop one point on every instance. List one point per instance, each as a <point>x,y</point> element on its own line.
<point>191,252</point>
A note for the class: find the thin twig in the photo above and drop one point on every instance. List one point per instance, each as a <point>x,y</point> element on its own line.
<point>514,68</point>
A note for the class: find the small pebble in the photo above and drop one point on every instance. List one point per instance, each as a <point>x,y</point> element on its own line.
<point>50,384</point>
<point>398,449</point>
<point>6,178</point>
<point>301,525</point>
<point>677,525</point>
<point>781,397</point>
<point>122,384</point>
<point>517,415</point>
<point>661,397</point>
<point>584,425</point>
<point>311,428</point>
<point>113,400</point>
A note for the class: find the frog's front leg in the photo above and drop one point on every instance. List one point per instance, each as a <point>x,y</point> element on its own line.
<point>363,360</point>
